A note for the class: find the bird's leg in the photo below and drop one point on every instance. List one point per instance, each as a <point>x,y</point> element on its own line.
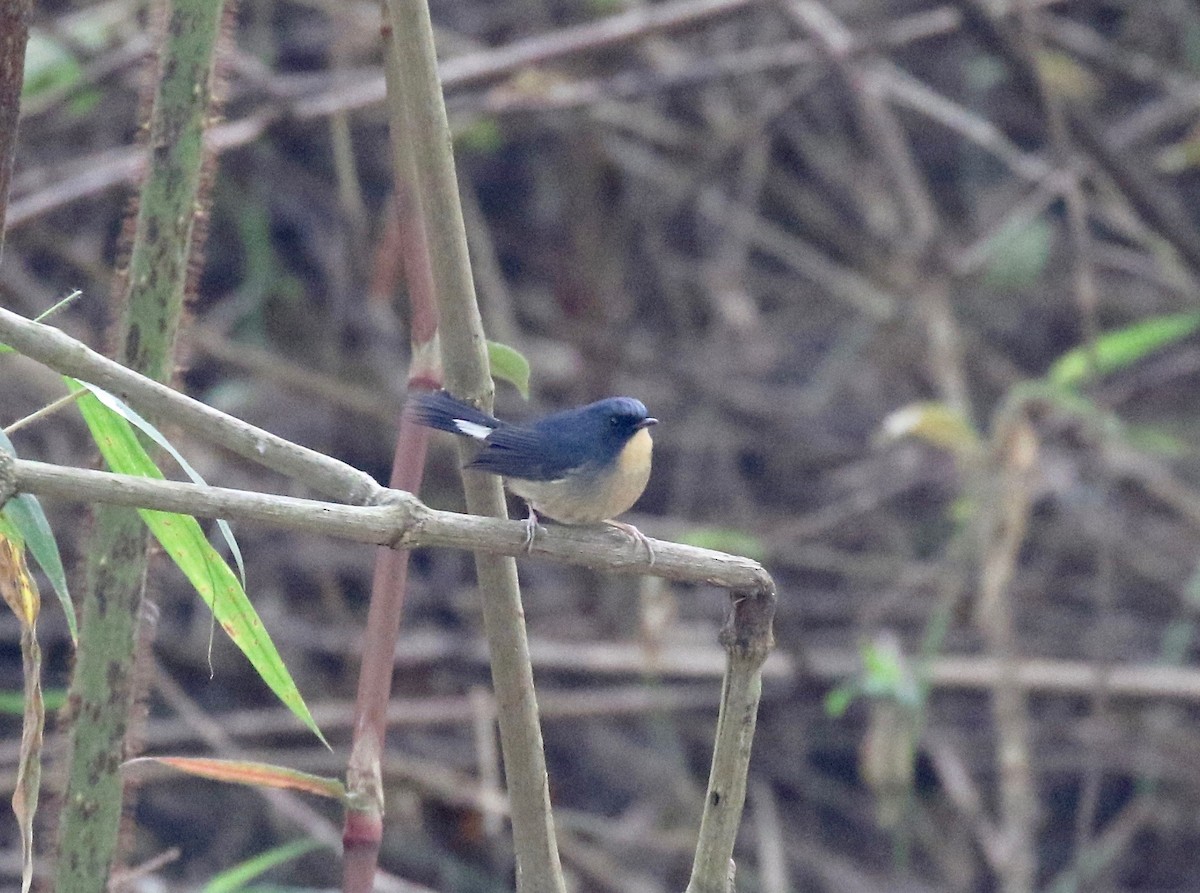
<point>531,528</point>
<point>636,535</point>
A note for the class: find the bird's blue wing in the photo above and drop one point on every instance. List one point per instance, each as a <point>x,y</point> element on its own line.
<point>529,453</point>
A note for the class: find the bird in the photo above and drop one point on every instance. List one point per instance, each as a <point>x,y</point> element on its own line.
<point>580,466</point>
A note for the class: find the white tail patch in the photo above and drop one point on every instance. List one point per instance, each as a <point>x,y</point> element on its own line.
<point>470,429</point>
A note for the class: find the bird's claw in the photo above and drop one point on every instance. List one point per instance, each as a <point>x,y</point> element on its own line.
<point>531,529</point>
<point>637,536</point>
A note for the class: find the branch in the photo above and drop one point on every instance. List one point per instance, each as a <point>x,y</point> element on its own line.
<point>396,519</point>
<point>62,353</point>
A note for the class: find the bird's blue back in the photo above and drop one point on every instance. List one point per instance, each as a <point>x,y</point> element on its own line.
<point>576,440</point>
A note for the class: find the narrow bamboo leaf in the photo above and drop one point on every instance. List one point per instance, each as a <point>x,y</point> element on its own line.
<point>20,593</point>
<point>182,538</point>
<point>117,405</point>
<point>16,586</point>
<point>509,365</point>
<point>13,702</point>
<point>9,530</point>
<point>250,773</point>
<point>26,515</point>
<point>237,877</point>
<point>1123,347</point>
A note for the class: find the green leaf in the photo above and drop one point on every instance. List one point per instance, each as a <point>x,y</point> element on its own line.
<point>839,699</point>
<point>1120,348</point>
<point>509,365</point>
<point>25,514</point>
<point>725,539</point>
<point>183,539</point>
<point>49,65</point>
<point>882,669</point>
<point>886,674</point>
<point>481,136</point>
<point>237,877</point>
<point>13,702</point>
<point>117,405</point>
<point>9,530</point>
<point>1155,439</point>
<point>1018,255</point>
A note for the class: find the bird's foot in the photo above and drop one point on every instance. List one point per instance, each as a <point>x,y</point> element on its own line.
<point>637,536</point>
<point>531,529</point>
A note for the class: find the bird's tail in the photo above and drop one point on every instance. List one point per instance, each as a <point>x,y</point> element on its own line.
<point>440,410</point>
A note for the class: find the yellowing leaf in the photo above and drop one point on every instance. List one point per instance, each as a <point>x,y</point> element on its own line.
<point>23,514</point>
<point>1067,77</point>
<point>16,586</point>
<point>20,593</point>
<point>934,423</point>
<point>250,773</point>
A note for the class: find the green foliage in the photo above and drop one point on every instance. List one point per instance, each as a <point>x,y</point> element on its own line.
<point>13,702</point>
<point>885,675</point>
<point>509,365</point>
<point>182,538</point>
<point>1120,348</point>
<point>271,296</point>
<point>49,65</point>
<point>725,539</point>
<point>237,877</point>
<point>118,406</point>
<point>24,516</point>
<point>1151,439</point>
<point>52,69</point>
<point>482,136</point>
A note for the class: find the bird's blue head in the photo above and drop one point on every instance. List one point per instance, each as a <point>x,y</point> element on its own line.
<point>596,433</point>
<point>618,418</point>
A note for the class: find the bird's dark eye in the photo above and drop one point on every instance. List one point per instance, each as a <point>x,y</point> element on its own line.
<point>614,420</point>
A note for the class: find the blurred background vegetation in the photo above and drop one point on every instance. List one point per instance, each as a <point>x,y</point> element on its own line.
<point>778,224</point>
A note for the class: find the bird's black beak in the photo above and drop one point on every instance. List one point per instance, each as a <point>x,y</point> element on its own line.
<point>646,423</point>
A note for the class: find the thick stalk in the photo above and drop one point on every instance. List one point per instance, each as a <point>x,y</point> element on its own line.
<point>14,34</point>
<point>363,829</point>
<point>102,688</point>
<point>466,369</point>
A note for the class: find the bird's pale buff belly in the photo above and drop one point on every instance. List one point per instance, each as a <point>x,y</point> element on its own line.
<point>585,500</point>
